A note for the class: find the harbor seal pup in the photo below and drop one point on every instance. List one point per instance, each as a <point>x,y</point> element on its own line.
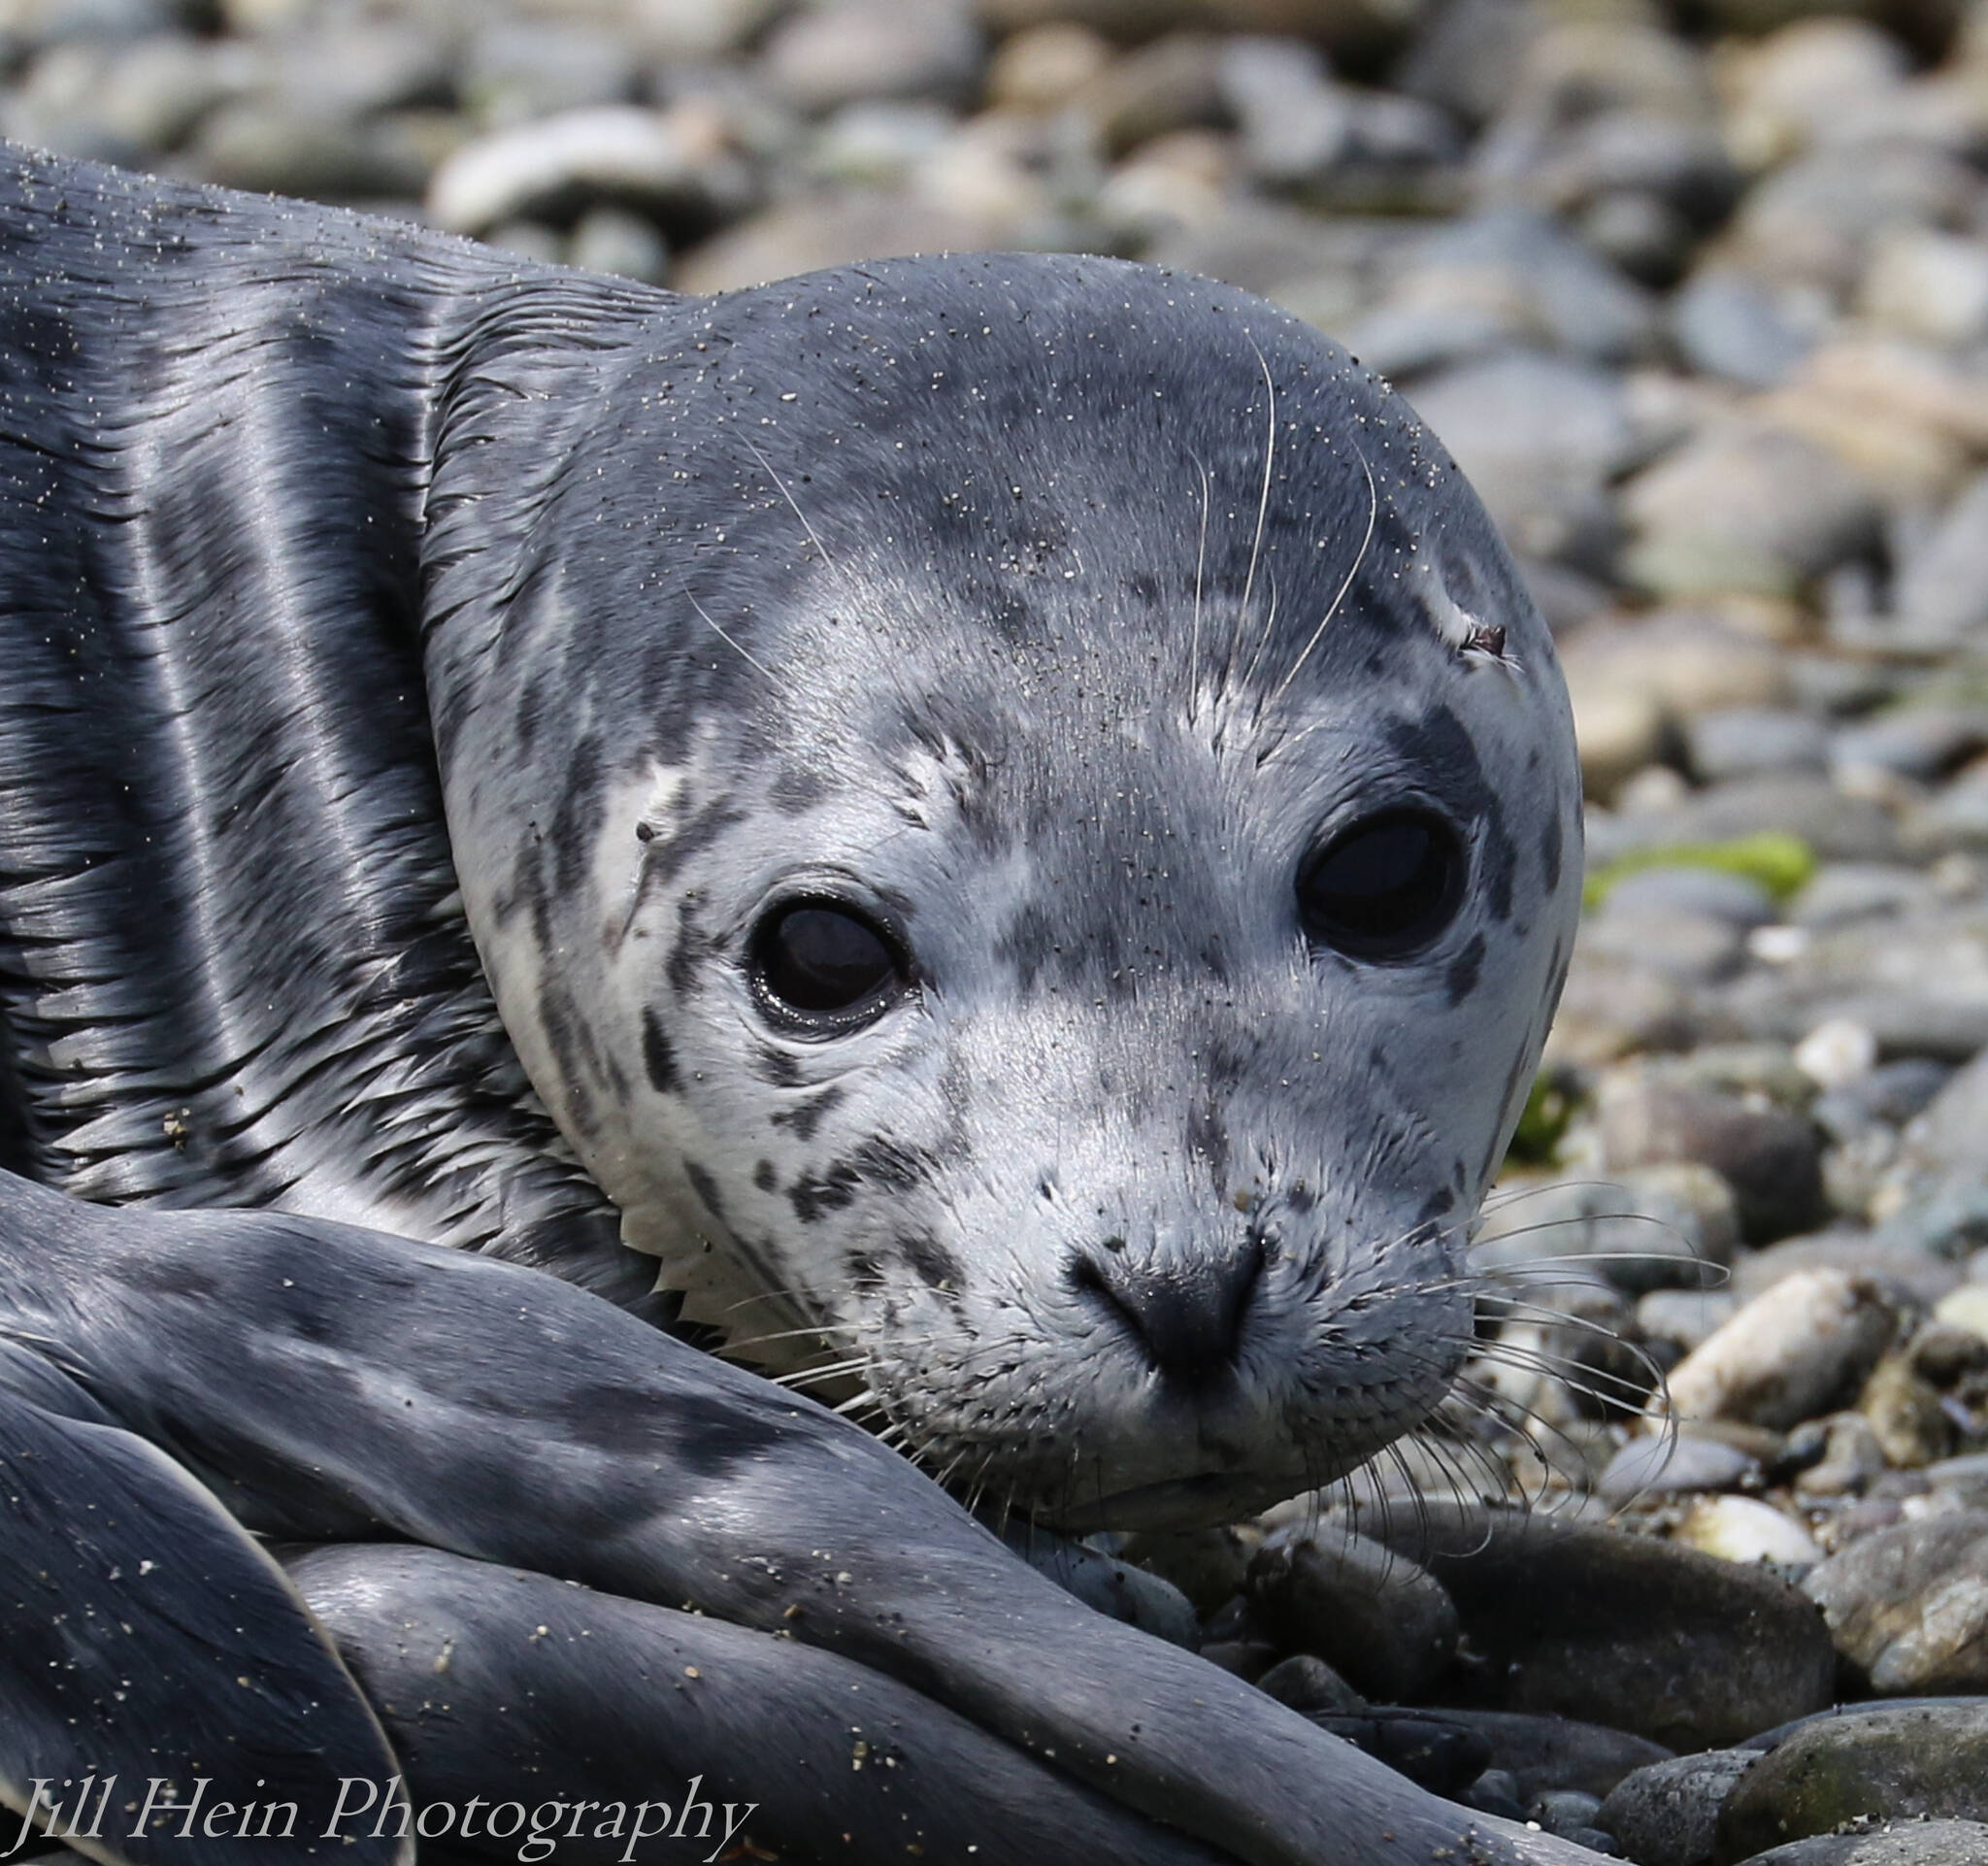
<point>1010,813</point>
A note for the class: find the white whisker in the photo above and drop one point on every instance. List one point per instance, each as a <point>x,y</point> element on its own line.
<point>1372,516</point>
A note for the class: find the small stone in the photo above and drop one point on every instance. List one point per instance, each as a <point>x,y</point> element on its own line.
<point>1941,589</point>
<point>1293,123</point>
<point>1771,1158</point>
<point>1539,1753</point>
<point>1744,1529</point>
<point>1684,1318</point>
<point>1899,1269</point>
<point>1914,1843</point>
<point>1905,1413</point>
<point>1751,509</point>
<point>1738,900</point>
<point>1173,83</point>
<point>531,239</point>
<point>1832,824</point>
<point>1565,1812</point>
<point>824,56</point>
<point>1843,891</point>
<point>1923,742</point>
<point>1908,1606</point>
<point>806,234</point>
<point>1836,1052</point>
<point>1433,1749</point>
<point>1949,1132</point>
<point>1730,323</point>
<point>1667,1814</point>
<point>1739,741</point>
<point>517,69</point>
<point>1964,1308</point>
<point>1538,435</point>
<point>1044,67</point>
<point>1784,1357</point>
<point>1882,1762</point>
<point>610,240</point>
<point>284,146</point>
<point>665,159</point>
<point>1369,1612</point>
<point>1495,1792</point>
<point>1645,1636</point>
<point>1927,284</point>
<point>1792,87</point>
<point>154,93</point>
<point>1207,1565</point>
<point>1658,1226</point>
<point>1818,218</point>
<point>1308,1683</point>
<point>1852,1458</point>
<point>1683,661</point>
<point>1660,1466</point>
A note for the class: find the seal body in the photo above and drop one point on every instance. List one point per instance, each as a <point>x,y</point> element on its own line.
<point>1010,813</point>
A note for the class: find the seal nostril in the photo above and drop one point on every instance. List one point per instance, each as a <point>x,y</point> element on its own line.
<point>1187,1316</point>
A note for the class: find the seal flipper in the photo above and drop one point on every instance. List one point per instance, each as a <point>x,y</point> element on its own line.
<point>298,1357</point>
<point>627,1702</point>
<point>156,1657</point>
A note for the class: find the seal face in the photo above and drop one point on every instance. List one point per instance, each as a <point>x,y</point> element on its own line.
<point>1025,827</point>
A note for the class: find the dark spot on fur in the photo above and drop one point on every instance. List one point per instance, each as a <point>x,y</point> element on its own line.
<point>796,790</point>
<point>574,822</point>
<point>1460,980</point>
<point>706,1187</point>
<point>658,1058</point>
<point>805,1119</point>
<point>693,948</point>
<point>1209,1140</point>
<point>1439,1204</point>
<point>575,1050</point>
<point>764,1176</point>
<point>864,1271</point>
<point>1549,850</point>
<point>935,1265</point>
<point>776,1066</point>
<point>814,1193</point>
<point>895,1168</point>
<point>1028,943</point>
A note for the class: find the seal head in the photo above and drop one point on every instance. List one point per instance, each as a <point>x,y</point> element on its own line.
<point>1027,830</point>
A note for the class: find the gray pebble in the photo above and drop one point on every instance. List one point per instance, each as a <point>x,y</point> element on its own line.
<point>827,55</point>
<point>1929,1843</point>
<point>1741,740</point>
<point>1658,1466</point>
<point>1877,1762</point>
<point>1730,323</point>
<point>1582,1621</point>
<point>1737,899</point>
<point>1374,1616</point>
<point>1668,1815</point>
<point>1908,1606</point>
<point>1769,1157</point>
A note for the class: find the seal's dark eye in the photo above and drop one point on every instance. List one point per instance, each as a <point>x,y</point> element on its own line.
<point>1385,888</point>
<point>825,965</point>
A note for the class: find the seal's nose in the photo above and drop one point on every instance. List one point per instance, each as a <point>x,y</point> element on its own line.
<point>1185,1312</point>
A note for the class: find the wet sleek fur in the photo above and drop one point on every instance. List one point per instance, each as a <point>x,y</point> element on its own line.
<point>421,673</point>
